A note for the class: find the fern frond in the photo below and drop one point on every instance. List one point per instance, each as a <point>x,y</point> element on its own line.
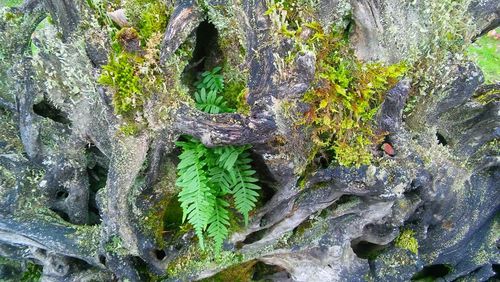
<point>196,197</point>
<point>211,80</point>
<point>208,175</point>
<point>244,188</point>
<point>228,156</point>
<point>210,103</point>
<point>220,178</point>
<point>218,223</point>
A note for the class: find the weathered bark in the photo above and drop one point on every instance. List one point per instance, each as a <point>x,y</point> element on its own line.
<point>61,140</point>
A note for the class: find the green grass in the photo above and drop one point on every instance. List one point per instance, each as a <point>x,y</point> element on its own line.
<point>10,3</point>
<point>486,53</point>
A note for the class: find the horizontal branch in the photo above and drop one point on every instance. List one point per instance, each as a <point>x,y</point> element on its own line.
<point>223,129</point>
<point>55,237</point>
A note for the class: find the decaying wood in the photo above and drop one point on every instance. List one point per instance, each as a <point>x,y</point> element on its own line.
<point>312,225</point>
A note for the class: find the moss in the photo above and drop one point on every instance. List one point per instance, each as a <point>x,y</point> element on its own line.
<point>302,228</point>
<point>235,93</point>
<point>407,241</point>
<point>120,75</point>
<point>485,53</point>
<point>239,273</point>
<point>11,3</point>
<point>164,217</point>
<point>346,92</point>
<point>87,238</point>
<point>346,95</point>
<point>488,97</point>
<point>432,50</point>
<point>194,260</point>
<point>148,16</point>
<point>129,129</point>
<point>133,71</point>
<point>32,273</point>
<point>115,245</point>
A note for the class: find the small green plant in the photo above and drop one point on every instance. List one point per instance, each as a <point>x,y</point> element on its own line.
<point>121,75</point>
<point>115,245</point>
<point>485,52</point>
<point>345,97</point>
<point>406,240</point>
<point>32,273</point>
<point>149,16</point>
<point>10,3</point>
<point>212,178</point>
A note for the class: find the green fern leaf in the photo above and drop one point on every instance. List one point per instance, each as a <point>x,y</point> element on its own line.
<point>196,197</point>
<point>244,188</point>
<point>208,175</point>
<point>218,224</point>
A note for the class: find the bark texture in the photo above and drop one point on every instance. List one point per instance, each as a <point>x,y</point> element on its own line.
<point>89,203</point>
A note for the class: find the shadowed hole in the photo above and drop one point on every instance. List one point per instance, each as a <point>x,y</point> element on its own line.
<point>441,139</point>
<point>496,269</point>
<point>62,195</point>
<point>367,250</point>
<point>102,259</point>
<point>160,254</point>
<point>206,53</point>
<point>251,271</point>
<point>46,109</point>
<point>255,236</point>
<point>268,272</point>
<point>62,214</point>
<point>97,172</point>
<point>432,272</point>
<point>206,46</point>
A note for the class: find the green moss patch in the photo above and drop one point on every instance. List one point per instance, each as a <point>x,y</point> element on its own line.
<point>486,53</point>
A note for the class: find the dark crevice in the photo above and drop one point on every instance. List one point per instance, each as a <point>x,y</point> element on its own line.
<point>252,271</point>
<point>432,272</point>
<point>441,139</point>
<point>206,54</point>
<point>323,158</point>
<point>46,109</point>
<point>61,195</point>
<point>206,50</point>
<point>268,272</point>
<point>102,259</point>
<point>265,177</point>
<point>172,218</point>
<point>340,201</point>
<point>62,214</point>
<point>160,254</point>
<point>367,250</point>
<point>97,172</point>
<point>496,269</point>
<point>255,236</point>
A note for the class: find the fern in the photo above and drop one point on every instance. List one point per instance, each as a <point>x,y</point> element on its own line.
<point>196,197</point>
<point>219,221</point>
<point>210,103</point>
<point>208,176</point>
<point>244,187</point>
<point>211,81</point>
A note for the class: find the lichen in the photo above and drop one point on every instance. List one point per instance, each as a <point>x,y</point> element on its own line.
<point>87,238</point>
<point>194,260</point>
<point>8,134</point>
<point>115,245</point>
